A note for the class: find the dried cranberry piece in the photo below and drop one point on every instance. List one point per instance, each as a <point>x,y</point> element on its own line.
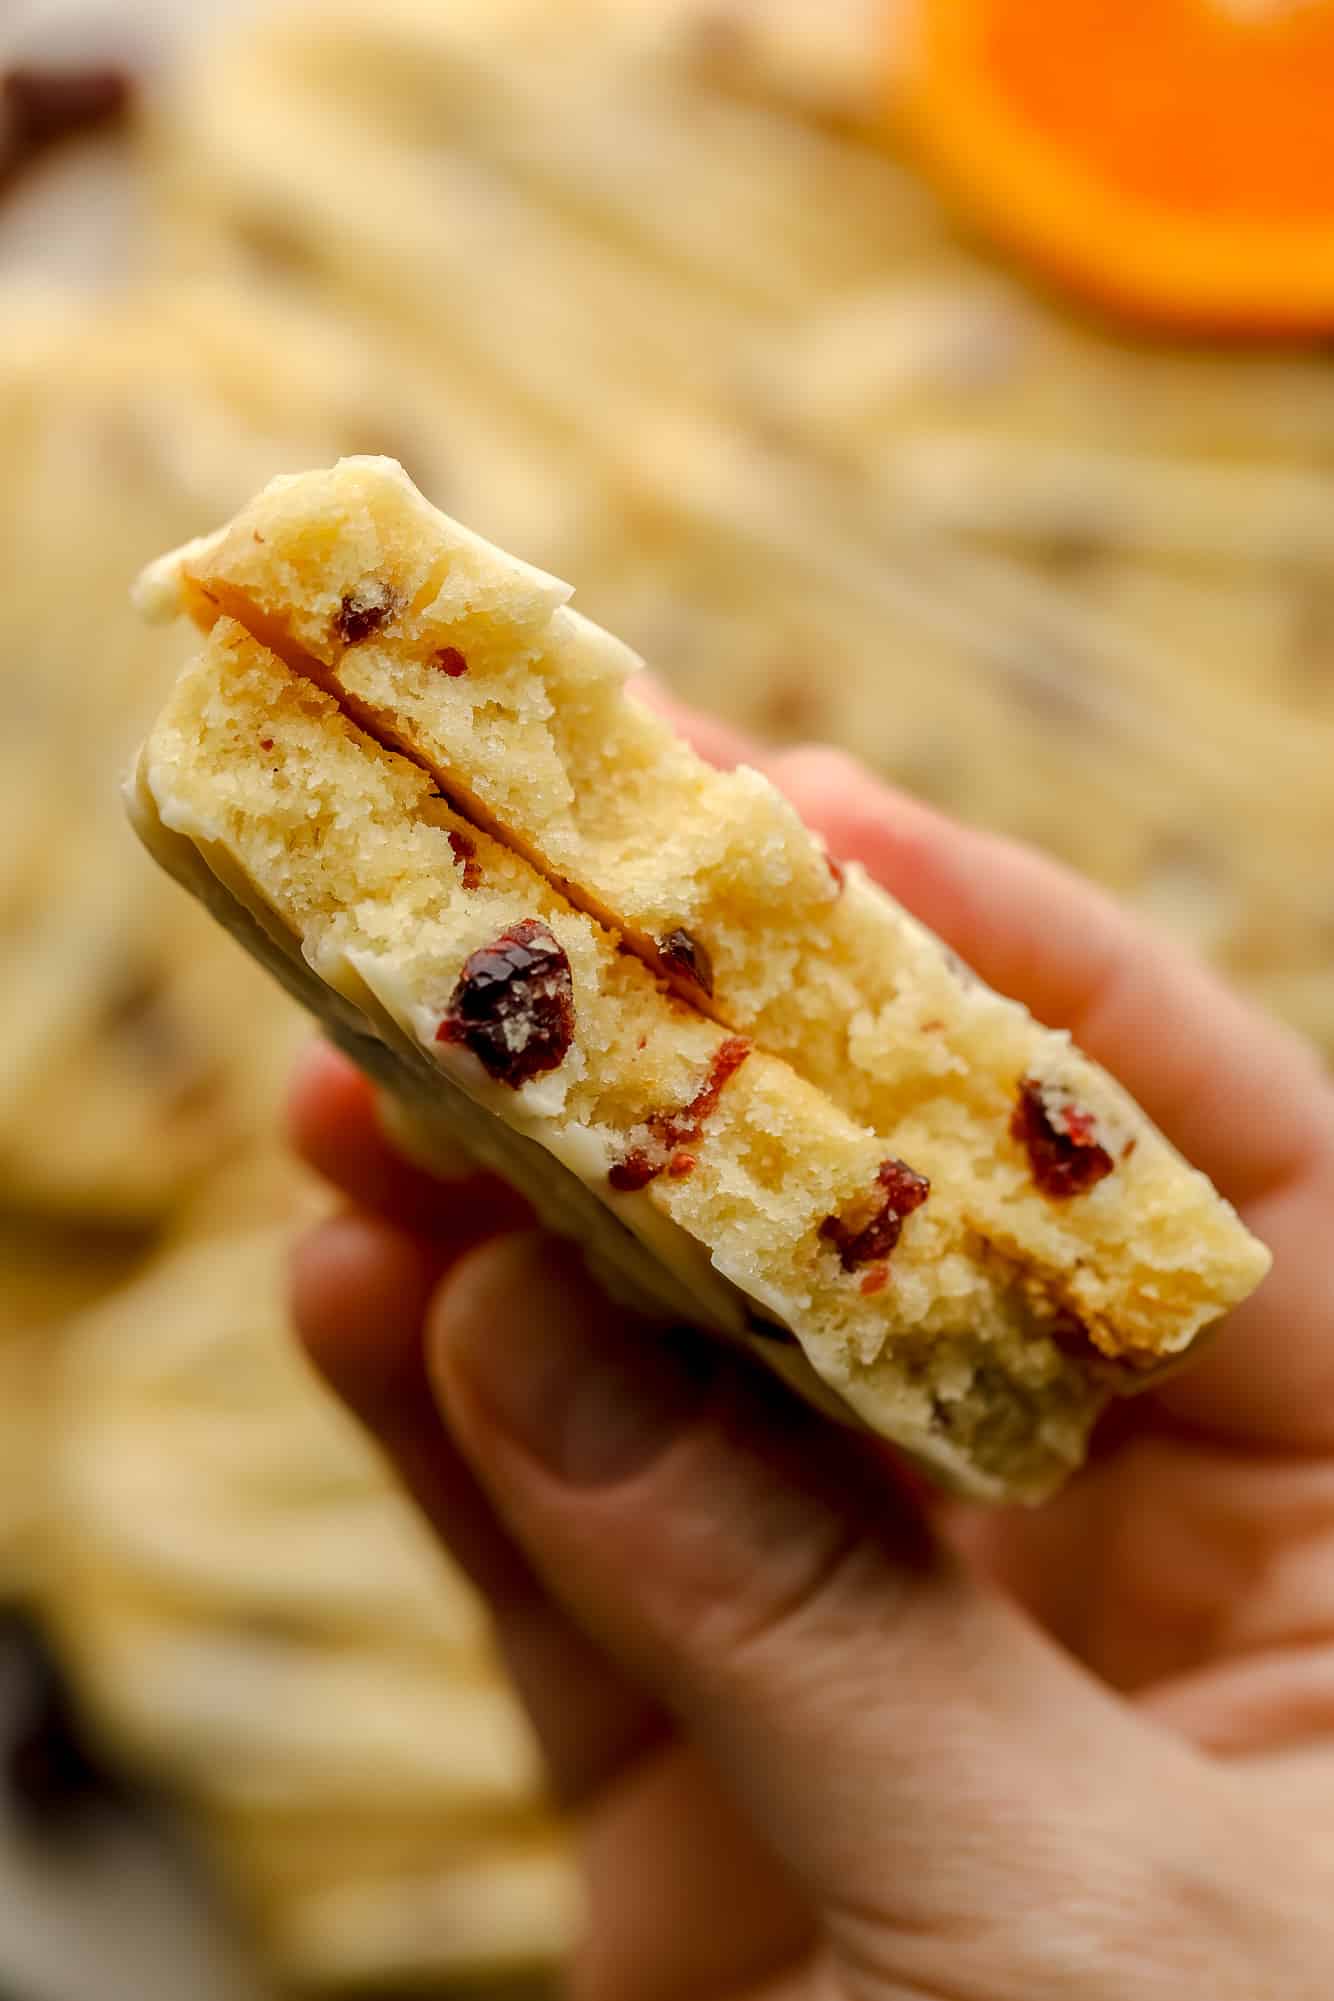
<point>465,851</point>
<point>450,661</point>
<point>1060,1139</point>
<point>40,107</point>
<point>837,871</point>
<point>669,1135</point>
<point>681,952</point>
<point>363,612</point>
<point>633,1173</point>
<point>513,1006</point>
<point>902,1191</point>
<point>683,1128</point>
<point>266,743</point>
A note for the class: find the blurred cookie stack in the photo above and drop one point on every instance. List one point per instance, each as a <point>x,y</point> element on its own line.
<point>642,290</point>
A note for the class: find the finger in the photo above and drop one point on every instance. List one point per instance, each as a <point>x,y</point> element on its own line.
<point>335,1127</point>
<point>716,741</point>
<point>360,1291</point>
<point>742,1558</point>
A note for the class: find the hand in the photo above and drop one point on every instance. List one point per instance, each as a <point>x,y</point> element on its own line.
<point>831,1739</point>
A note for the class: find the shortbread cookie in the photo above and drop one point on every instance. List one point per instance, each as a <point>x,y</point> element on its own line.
<point>784,1090</point>
<point>257,1619</point>
<point>411,1905</point>
<point>46,1275</point>
<point>137,1046</point>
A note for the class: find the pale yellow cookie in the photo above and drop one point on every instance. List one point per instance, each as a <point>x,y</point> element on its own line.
<point>786,1090</point>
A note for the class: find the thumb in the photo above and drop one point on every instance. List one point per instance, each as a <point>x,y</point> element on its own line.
<point>885,1723</point>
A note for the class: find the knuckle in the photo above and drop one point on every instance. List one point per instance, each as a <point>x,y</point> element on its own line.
<point>815,1602</point>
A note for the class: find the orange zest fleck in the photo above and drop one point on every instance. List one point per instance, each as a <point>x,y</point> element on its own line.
<point>1171,158</point>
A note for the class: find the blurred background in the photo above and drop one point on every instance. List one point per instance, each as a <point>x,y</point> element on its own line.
<point>947,379</point>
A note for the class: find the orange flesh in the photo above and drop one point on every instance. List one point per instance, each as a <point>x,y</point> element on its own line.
<point>1172,158</point>
<point>1177,101</point>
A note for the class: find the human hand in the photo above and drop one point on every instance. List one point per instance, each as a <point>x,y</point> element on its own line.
<point>830,1738</point>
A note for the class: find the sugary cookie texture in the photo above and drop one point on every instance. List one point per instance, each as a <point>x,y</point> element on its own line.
<point>410,776</point>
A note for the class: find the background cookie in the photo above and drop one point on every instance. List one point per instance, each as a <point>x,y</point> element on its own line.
<point>135,1051</point>
<point>258,1620</point>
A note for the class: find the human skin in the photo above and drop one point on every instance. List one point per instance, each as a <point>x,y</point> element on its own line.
<point>827,1736</point>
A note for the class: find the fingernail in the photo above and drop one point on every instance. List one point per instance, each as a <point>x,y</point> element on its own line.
<point>585,1390</point>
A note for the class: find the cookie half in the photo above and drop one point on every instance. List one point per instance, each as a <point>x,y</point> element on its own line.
<point>522,986</point>
<point>474,666</point>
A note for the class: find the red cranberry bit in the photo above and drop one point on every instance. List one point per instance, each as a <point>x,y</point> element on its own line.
<point>683,1128</point>
<point>513,1006</point>
<point>670,1135</point>
<point>465,851</point>
<point>837,870</point>
<point>682,953</point>
<point>266,743</point>
<point>450,661</point>
<point>1060,1139</point>
<point>901,1191</point>
<point>633,1173</point>
<point>877,1278</point>
<point>40,107</point>
<point>363,612</point>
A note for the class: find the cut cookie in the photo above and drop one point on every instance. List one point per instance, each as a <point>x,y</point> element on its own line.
<point>765,1097</point>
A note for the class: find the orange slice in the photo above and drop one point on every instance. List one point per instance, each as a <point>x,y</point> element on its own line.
<point>1174,158</point>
